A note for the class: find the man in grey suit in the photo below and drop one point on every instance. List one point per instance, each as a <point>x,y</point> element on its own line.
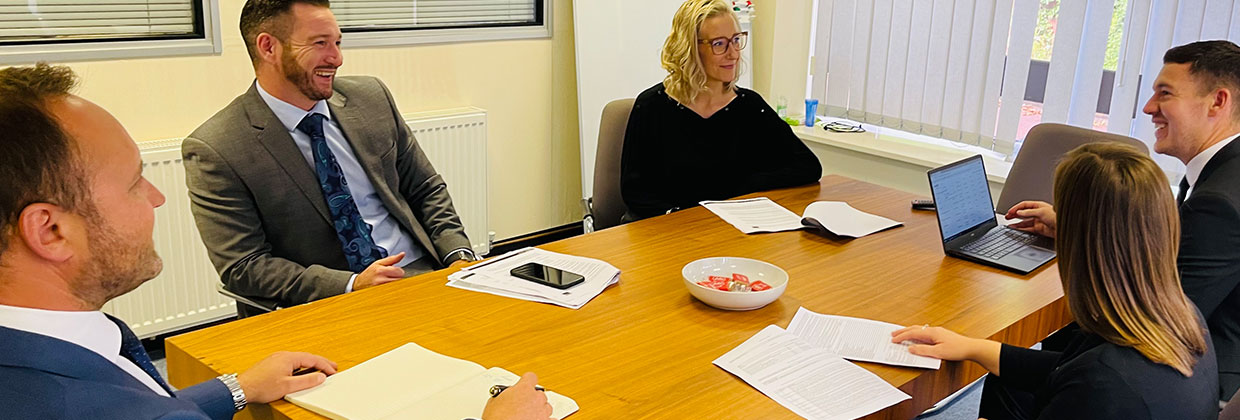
<point>311,185</point>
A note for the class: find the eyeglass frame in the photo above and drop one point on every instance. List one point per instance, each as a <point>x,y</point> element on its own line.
<point>731,40</point>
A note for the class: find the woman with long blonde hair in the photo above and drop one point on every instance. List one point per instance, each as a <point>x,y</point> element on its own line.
<point>697,135</point>
<point>1142,350</point>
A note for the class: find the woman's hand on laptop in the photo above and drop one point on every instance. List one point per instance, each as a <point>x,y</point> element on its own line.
<point>1038,217</point>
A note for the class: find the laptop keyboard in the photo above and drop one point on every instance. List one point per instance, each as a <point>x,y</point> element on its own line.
<point>998,243</point>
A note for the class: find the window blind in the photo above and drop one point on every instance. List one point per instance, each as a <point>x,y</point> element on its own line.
<point>934,67</point>
<point>35,21</point>
<point>415,14</point>
<point>958,69</point>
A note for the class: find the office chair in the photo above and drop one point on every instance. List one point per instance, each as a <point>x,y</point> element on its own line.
<point>1231,409</point>
<point>606,207</point>
<point>1033,172</point>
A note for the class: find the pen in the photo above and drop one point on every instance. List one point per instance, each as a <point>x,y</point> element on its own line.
<point>497,389</point>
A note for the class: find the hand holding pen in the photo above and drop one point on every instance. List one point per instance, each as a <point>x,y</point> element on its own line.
<point>523,400</point>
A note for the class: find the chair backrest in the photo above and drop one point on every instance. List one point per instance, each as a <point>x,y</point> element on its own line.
<point>1231,410</point>
<point>607,205</point>
<point>1033,172</point>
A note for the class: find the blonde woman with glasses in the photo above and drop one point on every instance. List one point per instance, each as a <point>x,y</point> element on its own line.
<point>697,136</point>
<point>1142,350</point>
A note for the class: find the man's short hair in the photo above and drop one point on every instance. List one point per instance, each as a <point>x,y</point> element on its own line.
<point>39,162</point>
<point>1215,63</point>
<point>258,16</point>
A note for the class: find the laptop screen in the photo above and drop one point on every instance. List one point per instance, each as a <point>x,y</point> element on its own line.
<point>961,196</point>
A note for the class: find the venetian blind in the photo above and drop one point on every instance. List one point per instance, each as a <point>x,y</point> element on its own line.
<point>416,14</point>
<point>40,21</point>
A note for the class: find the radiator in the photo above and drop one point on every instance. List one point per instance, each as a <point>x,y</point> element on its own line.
<point>184,295</point>
<point>455,141</point>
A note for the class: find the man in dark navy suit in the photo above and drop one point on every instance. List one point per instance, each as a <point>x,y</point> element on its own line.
<point>76,221</point>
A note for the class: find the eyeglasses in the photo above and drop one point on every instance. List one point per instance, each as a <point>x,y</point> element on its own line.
<point>842,127</point>
<point>720,45</point>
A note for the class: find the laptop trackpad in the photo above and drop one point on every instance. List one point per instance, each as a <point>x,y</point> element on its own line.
<point>1035,254</point>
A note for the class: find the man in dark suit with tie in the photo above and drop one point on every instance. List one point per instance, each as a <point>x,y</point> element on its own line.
<point>310,185</point>
<point>76,222</point>
<point>1197,119</point>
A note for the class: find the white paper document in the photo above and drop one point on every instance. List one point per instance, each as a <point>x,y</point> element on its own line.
<point>493,276</point>
<point>808,380</point>
<point>842,219</point>
<point>760,214</point>
<point>411,382</point>
<point>755,215</point>
<point>856,339</point>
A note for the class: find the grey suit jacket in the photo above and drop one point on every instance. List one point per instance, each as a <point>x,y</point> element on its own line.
<point>261,212</point>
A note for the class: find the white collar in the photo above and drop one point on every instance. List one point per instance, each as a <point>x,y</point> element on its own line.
<point>290,115</point>
<point>1198,163</point>
<point>91,330</point>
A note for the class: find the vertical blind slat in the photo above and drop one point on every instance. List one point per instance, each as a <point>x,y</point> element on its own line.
<point>876,70</point>
<point>1088,77</point>
<point>1020,51</point>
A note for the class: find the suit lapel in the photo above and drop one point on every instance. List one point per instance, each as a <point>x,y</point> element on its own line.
<point>352,123</point>
<point>274,137</point>
<point>1227,153</point>
<point>58,357</point>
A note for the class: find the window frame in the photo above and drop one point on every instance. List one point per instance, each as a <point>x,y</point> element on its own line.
<point>108,49</point>
<point>406,37</point>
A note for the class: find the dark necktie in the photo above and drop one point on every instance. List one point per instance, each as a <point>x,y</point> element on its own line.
<point>354,233</point>
<point>1179,198</point>
<point>131,348</point>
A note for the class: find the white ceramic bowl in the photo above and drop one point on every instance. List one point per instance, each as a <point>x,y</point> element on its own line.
<point>756,270</point>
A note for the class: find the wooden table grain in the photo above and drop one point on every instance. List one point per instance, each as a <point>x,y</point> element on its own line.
<point>644,347</point>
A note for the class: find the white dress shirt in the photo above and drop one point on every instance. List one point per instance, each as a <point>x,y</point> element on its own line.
<point>91,330</point>
<point>385,230</point>
<point>1197,163</point>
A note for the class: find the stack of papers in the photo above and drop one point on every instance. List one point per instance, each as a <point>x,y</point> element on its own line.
<point>492,276</point>
<point>808,380</point>
<point>856,339</point>
<point>412,382</point>
<point>760,214</point>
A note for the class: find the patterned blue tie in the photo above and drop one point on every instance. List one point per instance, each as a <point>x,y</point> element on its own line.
<point>354,233</point>
<point>131,348</point>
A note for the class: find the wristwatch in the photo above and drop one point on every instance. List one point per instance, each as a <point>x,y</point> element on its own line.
<point>238,395</point>
<point>459,254</point>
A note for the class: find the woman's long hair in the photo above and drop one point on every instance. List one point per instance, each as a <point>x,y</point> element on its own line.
<point>685,76</point>
<point>1118,236</point>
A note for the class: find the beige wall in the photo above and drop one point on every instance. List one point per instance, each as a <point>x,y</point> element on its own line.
<point>528,88</point>
<point>781,54</point>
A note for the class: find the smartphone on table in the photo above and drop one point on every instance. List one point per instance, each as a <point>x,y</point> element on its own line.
<point>547,276</point>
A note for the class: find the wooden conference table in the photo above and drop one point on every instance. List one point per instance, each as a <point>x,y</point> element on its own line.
<point>644,347</point>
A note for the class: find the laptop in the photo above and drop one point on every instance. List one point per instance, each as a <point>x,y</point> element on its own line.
<point>968,226</point>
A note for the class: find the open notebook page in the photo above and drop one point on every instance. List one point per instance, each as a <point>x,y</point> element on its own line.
<point>467,399</point>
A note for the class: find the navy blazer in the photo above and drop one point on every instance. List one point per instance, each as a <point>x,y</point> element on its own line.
<point>48,378</point>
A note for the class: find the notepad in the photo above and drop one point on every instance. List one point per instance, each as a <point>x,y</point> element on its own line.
<point>760,214</point>
<point>411,382</point>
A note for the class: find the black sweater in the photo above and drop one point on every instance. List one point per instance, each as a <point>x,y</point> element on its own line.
<point>674,158</point>
<point>1095,379</point>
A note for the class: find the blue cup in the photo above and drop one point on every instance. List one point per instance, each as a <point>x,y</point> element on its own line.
<point>811,111</point>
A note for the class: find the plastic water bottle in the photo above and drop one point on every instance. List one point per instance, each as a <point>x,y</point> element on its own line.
<point>811,111</point>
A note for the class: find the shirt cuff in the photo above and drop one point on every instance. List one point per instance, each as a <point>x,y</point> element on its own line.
<point>459,254</point>
<point>348,288</point>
